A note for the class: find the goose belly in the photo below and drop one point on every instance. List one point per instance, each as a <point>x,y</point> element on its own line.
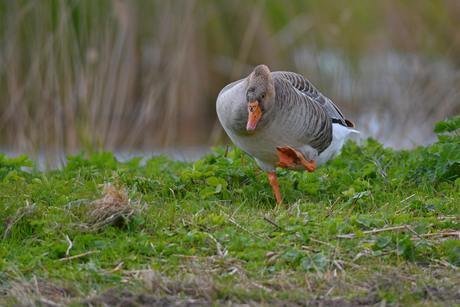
<point>262,144</point>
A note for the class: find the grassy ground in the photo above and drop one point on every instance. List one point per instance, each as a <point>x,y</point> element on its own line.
<point>372,227</point>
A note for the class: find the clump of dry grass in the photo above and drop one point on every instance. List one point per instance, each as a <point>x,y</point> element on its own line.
<point>114,200</point>
<point>112,208</point>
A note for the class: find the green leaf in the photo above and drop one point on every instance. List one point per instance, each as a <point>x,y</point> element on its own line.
<point>382,242</point>
<point>197,164</point>
<point>449,125</point>
<point>440,127</point>
<point>214,181</point>
<point>207,192</point>
<point>291,254</point>
<point>457,182</point>
<point>318,261</point>
<point>401,249</point>
<point>377,253</point>
<point>349,192</point>
<point>452,251</point>
<point>420,230</point>
<point>364,221</point>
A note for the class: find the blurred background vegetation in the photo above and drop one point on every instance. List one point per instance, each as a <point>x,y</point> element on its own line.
<point>146,73</point>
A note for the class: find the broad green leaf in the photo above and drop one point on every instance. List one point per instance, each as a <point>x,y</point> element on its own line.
<point>420,230</point>
<point>291,254</point>
<point>214,181</point>
<point>349,192</point>
<point>364,221</point>
<point>318,261</point>
<point>440,127</point>
<point>382,242</point>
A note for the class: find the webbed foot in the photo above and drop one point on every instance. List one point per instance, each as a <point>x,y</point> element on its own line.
<point>290,158</point>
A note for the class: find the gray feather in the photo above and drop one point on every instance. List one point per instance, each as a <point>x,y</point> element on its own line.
<point>301,84</point>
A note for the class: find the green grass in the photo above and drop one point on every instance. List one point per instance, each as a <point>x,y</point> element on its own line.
<point>212,231</point>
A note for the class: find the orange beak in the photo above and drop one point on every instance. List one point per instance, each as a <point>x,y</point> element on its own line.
<point>254,115</point>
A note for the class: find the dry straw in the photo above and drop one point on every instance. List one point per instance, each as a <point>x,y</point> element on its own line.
<point>112,208</point>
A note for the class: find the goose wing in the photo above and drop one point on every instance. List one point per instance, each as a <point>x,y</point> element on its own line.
<point>301,84</point>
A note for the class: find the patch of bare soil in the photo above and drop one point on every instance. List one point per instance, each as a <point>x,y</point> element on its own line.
<point>124,298</point>
<point>201,290</point>
<point>114,297</point>
<point>441,294</point>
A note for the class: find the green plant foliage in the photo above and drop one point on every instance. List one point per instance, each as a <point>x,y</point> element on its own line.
<point>451,249</point>
<point>449,125</point>
<point>370,214</point>
<point>441,161</point>
<point>317,262</point>
<point>12,168</point>
<point>99,160</point>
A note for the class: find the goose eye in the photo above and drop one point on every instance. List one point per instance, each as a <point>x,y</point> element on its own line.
<point>263,96</point>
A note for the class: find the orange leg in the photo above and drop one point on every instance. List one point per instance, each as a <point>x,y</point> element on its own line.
<point>274,183</point>
<point>290,158</point>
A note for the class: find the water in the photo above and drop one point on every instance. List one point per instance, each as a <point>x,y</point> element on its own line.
<point>46,161</point>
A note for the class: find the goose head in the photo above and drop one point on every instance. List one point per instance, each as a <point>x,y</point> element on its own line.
<point>260,95</point>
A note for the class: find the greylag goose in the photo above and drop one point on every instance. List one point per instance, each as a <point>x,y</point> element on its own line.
<point>280,119</point>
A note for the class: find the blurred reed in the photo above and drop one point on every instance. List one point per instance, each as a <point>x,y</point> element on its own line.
<point>143,74</point>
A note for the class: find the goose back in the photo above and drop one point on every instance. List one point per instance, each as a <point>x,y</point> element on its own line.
<point>301,84</point>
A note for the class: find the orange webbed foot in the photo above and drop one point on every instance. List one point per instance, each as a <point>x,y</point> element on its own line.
<point>290,158</point>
